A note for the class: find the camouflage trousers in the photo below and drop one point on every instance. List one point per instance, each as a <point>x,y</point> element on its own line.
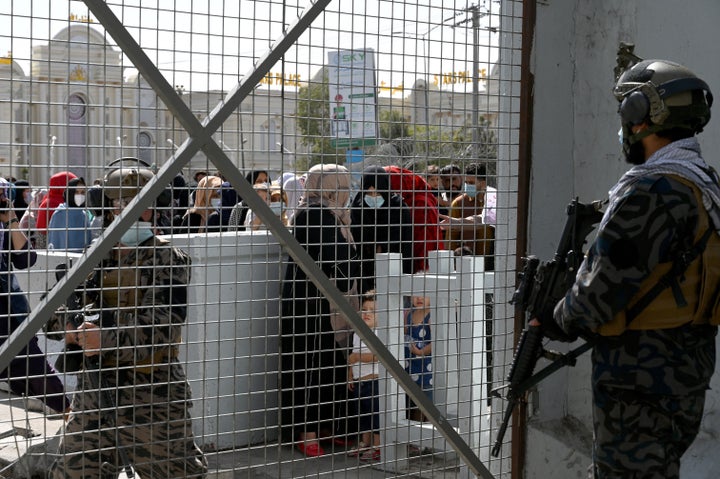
<point>156,435</point>
<point>642,436</point>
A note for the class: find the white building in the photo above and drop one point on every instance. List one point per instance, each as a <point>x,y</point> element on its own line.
<point>77,110</point>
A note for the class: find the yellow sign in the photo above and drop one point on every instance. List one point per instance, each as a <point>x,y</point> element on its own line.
<point>289,79</point>
<point>451,78</point>
<point>384,87</point>
<point>454,78</point>
<point>80,18</point>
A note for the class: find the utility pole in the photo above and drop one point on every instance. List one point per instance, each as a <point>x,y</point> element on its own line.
<point>476,81</point>
<point>476,15</point>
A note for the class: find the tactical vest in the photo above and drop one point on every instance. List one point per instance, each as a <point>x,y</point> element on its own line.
<point>685,290</point>
<point>123,289</point>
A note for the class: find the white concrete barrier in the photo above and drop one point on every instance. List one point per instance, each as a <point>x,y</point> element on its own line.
<point>230,348</point>
<point>230,342</point>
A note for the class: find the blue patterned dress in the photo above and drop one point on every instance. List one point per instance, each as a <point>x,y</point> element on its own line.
<point>419,367</point>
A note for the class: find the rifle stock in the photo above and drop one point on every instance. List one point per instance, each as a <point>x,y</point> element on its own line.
<point>541,286</point>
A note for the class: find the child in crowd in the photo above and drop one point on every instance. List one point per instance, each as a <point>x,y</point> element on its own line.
<point>418,350</point>
<point>363,382</point>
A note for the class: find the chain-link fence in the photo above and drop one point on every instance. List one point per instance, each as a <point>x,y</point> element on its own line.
<point>257,238</point>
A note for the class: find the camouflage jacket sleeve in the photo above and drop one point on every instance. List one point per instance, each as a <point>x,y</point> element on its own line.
<point>643,225</point>
<point>163,273</point>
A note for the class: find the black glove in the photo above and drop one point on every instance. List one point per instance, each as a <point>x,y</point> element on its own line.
<point>552,330</point>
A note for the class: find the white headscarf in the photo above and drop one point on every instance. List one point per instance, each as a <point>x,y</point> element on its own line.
<point>294,188</point>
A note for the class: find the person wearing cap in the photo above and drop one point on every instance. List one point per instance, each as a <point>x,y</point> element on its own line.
<point>29,372</point>
<point>135,308</point>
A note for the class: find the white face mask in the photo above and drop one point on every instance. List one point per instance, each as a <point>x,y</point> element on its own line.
<point>28,197</point>
<point>79,200</point>
<point>374,201</point>
<point>216,202</point>
<point>276,208</point>
<point>139,231</point>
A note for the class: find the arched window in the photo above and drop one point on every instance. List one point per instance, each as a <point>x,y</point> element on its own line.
<point>144,143</point>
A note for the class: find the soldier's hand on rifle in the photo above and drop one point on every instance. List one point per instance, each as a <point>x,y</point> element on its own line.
<point>551,329</point>
<point>88,337</point>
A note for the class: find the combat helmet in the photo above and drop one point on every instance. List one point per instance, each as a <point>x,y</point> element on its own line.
<point>667,94</point>
<point>126,177</point>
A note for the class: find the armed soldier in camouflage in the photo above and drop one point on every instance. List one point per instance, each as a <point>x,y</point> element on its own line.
<point>139,297</point>
<point>647,291</point>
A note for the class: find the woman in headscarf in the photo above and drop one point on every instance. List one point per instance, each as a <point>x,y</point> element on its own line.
<point>58,185</point>
<point>69,227</point>
<point>381,223</point>
<point>314,369</point>
<point>239,212</point>
<point>204,216</point>
<point>294,187</point>
<point>423,204</point>
<point>21,195</point>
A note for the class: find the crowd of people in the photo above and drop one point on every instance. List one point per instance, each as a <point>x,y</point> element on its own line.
<point>329,387</point>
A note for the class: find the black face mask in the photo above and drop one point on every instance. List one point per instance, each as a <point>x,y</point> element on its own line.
<point>634,153</point>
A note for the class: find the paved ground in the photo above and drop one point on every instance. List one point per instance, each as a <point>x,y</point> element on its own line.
<point>27,433</point>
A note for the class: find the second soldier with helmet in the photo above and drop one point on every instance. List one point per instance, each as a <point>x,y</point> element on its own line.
<point>135,306</point>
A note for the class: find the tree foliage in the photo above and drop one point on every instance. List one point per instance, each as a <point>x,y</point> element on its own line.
<point>312,118</point>
<point>399,142</point>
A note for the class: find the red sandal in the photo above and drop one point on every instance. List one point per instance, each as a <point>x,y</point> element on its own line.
<point>311,449</point>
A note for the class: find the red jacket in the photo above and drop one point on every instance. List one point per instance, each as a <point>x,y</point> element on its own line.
<point>427,235</point>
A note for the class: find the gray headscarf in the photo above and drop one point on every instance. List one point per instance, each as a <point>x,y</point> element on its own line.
<point>329,186</point>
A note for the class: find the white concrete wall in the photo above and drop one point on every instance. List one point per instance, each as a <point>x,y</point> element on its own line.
<point>576,153</point>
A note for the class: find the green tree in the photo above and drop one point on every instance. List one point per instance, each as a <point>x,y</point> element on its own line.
<point>312,118</point>
<point>393,124</point>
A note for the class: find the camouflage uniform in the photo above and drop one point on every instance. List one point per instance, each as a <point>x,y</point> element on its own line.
<point>648,385</point>
<point>143,308</point>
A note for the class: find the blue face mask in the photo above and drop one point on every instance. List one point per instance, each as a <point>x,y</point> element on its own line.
<point>374,201</point>
<point>140,231</point>
<point>276,208</point>
<point>470,190</point>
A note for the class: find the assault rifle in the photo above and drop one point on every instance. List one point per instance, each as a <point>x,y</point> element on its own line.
<point>542,285</point>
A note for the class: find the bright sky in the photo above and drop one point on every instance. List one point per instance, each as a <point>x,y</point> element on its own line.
<point>202,45</point>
